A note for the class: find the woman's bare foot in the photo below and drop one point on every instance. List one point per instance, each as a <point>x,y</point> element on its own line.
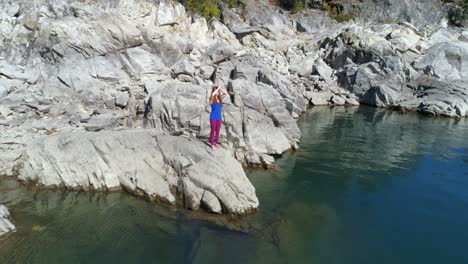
<point>217,146</point>
<point>213,147</point>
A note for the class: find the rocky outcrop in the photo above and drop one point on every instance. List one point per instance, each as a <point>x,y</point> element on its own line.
<point>5,225</point>
<point>394,66</point>
<point>83,70</point>
<point>417,12</point>
<point>156,166</point>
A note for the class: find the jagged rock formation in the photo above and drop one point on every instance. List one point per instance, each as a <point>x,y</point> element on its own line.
<point>5,225</point>
<point>397,67</point>
<point>159,167</point>
<point>88,67</point>
<point>420,12</point>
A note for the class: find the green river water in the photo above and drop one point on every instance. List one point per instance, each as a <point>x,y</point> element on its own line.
<point>366,186</point>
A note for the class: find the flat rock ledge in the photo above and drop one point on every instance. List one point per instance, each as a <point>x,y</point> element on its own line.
<point>145,163</point>
<point>5,225</point>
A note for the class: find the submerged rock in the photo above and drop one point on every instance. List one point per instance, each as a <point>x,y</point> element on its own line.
<point>156,166</point>
<point>5,225</point>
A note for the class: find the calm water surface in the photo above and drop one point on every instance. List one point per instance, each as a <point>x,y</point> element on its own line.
<point>367,186</point>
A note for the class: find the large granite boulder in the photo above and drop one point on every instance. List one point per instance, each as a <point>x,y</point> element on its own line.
<point>156,166</point>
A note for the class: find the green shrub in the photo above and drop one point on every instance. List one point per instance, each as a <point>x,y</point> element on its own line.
<point>389,20</point>
<point>457,12</point>
<point>294,5</point>
<point>207,8</point>
<point>210,10</point>
<point>342,17</point>
<point>232,3</point>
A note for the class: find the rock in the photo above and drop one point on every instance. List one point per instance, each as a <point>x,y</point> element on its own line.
<point>464,36</point>
<point>446,60</point>
<point>337,100</point>
<point>443,35</point>
<point>403,39</point>
<point>267,160</point>
<point>176,105</point>
<point>122,99</point>
<point>192,194</point>
<point>211,203</point>
<point>110,102</point>
<point>292,96</point>
<point>3,91</point>
<point>101,122</point>
<point>142,162</point>
<point>5,111</point>
<point>50,125</point>
<point>322,69</point>
<point>313,22</point>
<point>242,32</point>
<point>169,12</point>
<point>246,71</point>
<point>255,126</point>
<point>183,67</point>
<point>222,33</point>
<point>13,9</point>
<point>352,100</point>
<point>439,97</point>
<point>261,13</point>
<point>221,53</point>
<point>418,12</point>
<point>249,94</point>
<point>185,78</point>
<point>319,98</point>
<point>5,225</point>
<point>206,71</point>
<point>304,67</point>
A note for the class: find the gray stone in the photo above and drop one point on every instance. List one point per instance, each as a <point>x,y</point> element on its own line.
<point>319,98</point>
<point>192,194</point>
<point>175,105</point>
<point>337,100</point>
<point>185,78</point>
<point>101,122</point>
<point>5,225</point>
<point>206,71</point>
<point>183,67</point>
<point>313,22</point>
<point>3,91</point>
<point>322,69</point>
<point>122,99</point>
<point>246,71</point>
<point>447,61</point>
<point>255,125</point>
<point>211,203</point>
<point>143,163</point>
<point>5,111</point>
<point>242,32</point>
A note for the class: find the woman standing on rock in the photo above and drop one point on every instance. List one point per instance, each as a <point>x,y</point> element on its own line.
<point>216,116</point>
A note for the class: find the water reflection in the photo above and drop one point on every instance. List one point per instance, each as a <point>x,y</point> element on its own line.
<point>367,186</point>
<point>358,145</point>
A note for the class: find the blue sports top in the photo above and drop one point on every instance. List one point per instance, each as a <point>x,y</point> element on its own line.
<point>216,111</point>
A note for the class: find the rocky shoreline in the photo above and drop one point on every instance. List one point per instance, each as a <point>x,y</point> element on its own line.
<point>122,87</point>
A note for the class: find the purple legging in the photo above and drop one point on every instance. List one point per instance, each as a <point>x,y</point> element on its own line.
<point>215,128</point>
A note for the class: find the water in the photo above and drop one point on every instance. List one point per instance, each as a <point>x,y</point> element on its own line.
<point>367,186</point>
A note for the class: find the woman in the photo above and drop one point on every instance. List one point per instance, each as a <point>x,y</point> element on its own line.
<point>216,116</point>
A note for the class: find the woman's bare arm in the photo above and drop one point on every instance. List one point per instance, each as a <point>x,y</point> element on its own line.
<point>214,92</point>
